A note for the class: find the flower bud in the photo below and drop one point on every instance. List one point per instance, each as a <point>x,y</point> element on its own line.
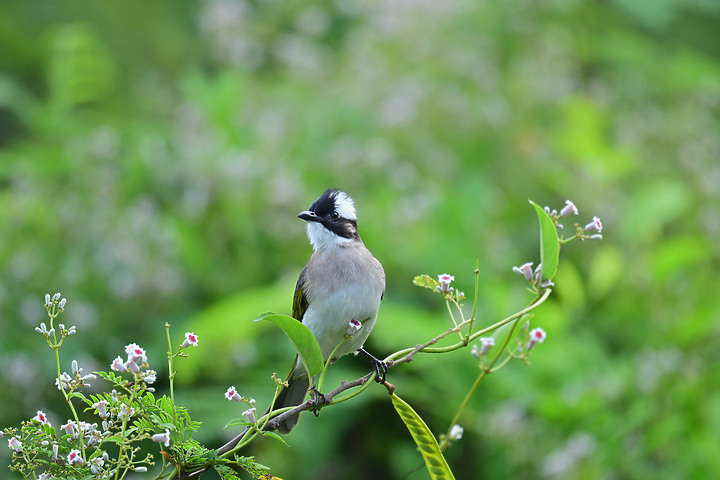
<point>456,432</point>
<point>525,270</point>
<point>486,343</point>
<point>162,437</point>
<point>250,414</point>
<point>568,209</point>
<point>594,226</point>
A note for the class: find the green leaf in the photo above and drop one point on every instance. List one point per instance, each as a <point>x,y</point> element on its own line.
<point>302,338</point>
<point>549,243</point>
<point>226,473</point>
<point>426,281</point>
<point>424,439</point>
<point>238,421</point>
<point>275,436</point>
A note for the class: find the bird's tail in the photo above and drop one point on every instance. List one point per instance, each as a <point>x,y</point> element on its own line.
<point>292,395</point>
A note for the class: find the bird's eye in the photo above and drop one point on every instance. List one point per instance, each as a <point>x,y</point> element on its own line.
<point>334,216</point>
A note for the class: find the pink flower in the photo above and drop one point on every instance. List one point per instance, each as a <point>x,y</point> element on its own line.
<point>69,427</point>
<point>568,209</point>
<point>136,353</point>
<point>15,444</point>
<point>354,326</point>
<point>162,437</point>
<point>594,226</point>
<point>537,335</point>
<point>232,394</point>
<point>75,457</point>
<point>190,339</point>
<point>525,270</point>
<point>41,417</point>
<point>445,280</point>
<point>118,365</point>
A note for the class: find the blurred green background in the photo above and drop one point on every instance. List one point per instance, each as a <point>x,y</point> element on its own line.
<point>154,155</point>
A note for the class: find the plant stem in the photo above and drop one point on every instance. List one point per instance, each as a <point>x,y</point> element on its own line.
<point>171,373</point>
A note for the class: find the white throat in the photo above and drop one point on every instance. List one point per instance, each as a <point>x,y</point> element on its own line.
<point>320,237</point>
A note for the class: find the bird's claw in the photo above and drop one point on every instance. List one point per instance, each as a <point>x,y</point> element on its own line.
<point>318,399</point>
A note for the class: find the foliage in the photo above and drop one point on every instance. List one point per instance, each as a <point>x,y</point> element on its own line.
<point>168,193</point>
<point>130,414</point>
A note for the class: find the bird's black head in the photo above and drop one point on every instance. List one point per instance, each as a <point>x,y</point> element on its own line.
<point>334,210</point>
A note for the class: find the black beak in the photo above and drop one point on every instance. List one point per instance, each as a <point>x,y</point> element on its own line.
<point>309,216</point>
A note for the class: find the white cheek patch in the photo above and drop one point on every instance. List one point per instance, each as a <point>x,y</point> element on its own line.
<point>321,237</point>
<point>344,206</point>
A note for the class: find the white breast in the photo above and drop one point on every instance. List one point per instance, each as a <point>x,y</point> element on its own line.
<point>343,284</point>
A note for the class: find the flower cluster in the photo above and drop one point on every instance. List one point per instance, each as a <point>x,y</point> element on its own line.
<point>590,231</point>
<point>126,415</point>
<point>136,360</point>
<point>76,380</point>
<point>533,276</point>
<point>232,395</point>
<point>54,306</point>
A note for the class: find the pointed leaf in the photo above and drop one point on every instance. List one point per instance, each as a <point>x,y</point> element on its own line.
<point>275,436</point>
<point>302,338</point>
<point>424,439</point>
<point>549,243</point>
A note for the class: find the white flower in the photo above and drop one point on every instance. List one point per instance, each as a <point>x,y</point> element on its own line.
<point>118,365</point>
<point>525,270</point>
<point>15,444</point>
<point>456,432</point>
<point>162,437</point>
<point>41,417</point>
<point>568,209</point>
<point>190,339</point>
<point>250,414</point>
<point>354,326</point>
<point>445,280</point>
<point>75,457</point>
<point>594,226</point>
<point>537,335</point>
<point>231,394</point>
<point>486,343</point>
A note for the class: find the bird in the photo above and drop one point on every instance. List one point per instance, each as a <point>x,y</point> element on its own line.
<point>338,293</point>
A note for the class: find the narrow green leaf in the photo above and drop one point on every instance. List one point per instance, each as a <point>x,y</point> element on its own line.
<point>426,281</point>
<point>275,436</point>
<point>549,243</point>
<point>302,338</point>
<point>424,439</point>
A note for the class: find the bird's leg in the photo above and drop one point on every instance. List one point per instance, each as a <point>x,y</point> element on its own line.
<point>318,398</point>
<point>379,366</point>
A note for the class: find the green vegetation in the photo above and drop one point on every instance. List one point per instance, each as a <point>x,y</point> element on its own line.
<point>154,155</point>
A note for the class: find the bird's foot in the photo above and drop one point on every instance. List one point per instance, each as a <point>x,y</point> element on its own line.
<point>380,367</point>
<point>318,399</point>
